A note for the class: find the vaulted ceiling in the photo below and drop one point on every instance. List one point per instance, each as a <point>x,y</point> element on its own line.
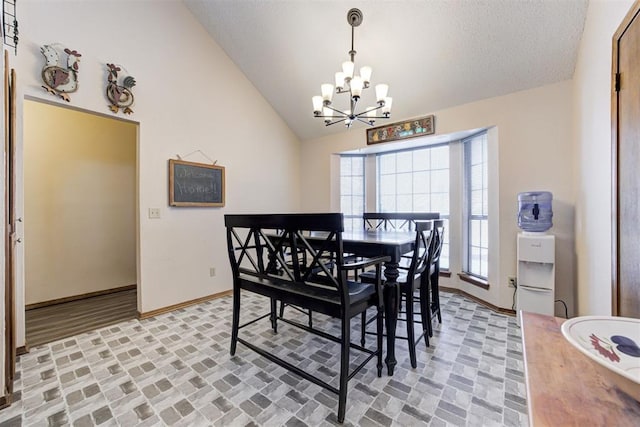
<point>433,54</point>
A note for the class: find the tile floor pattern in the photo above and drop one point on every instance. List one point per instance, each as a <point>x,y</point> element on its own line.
<point>175,369</point>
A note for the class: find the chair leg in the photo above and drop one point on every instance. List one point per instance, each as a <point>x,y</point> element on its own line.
<point>235,324</point>
<point>435,289</point>
<point>410,330</point>
<point>274,317</point>
<point>425,312</point>
<point>363,328</point>
<point>282,306</point>
<point>380,330</point>
<point>344,367</point>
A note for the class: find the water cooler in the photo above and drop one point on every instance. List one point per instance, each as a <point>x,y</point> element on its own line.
<point>535,254</point>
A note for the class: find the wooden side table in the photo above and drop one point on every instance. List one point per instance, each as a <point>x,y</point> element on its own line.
<point>563,385</point>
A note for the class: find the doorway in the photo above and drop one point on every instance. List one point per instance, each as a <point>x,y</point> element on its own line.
<point>80,233</point>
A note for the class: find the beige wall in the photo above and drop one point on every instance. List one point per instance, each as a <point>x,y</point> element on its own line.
<point>80,202</point>
<point>532,131</point>
<point>592,106</point>
<point>189,97</point>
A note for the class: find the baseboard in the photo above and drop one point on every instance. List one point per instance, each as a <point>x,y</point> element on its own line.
<point>170,308</point>
<point>5,401</point>
<point>479,301</point>
<point>22,350</point>
<point>79,297</point>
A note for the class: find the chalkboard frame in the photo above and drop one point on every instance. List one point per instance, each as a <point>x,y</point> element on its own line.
<point>218,180</point>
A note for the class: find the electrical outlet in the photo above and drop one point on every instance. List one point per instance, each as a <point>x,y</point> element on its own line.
<point>512,282</point>
<point>212,272</point>
<point>154,213</point>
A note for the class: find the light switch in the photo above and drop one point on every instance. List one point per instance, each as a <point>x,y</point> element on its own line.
<point>154,213</point>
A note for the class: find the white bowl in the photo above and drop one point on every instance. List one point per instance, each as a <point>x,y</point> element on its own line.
<point>613,343</point>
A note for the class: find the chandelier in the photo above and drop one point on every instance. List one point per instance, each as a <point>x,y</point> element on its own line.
<point>347,82</point>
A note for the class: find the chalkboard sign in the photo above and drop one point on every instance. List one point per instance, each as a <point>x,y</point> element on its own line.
<point>195,184</point>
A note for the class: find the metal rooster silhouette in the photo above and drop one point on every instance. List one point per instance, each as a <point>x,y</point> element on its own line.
<point>59,80</point>
<point>119,95</point>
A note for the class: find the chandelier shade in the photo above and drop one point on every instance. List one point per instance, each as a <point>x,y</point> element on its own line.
<point>346,82</point>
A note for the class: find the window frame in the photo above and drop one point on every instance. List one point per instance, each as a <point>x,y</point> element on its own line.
<point>445,256</point>
<point>350,218</point>
<point>469,216</point>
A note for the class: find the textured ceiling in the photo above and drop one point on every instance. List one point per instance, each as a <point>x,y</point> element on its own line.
<point>433,54</point>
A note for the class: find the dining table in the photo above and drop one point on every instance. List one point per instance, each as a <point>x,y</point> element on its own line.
<point>372,243</point>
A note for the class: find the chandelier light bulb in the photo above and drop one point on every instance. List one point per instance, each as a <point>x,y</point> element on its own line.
<point>365,73</point>
<point>326,112</point>
<point>317,104</point>
<point>347,69</point>
<point>387,105</point>
<point>371,114</point>
<point>327,92</point>
<point>356,85</point>
<point>339,80</point>
<point>381,92</point>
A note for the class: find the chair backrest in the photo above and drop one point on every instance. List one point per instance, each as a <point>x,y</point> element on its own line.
<point>257,245</point>
<point>420,257</point>
<point>399,221</point>
<point>437,242</point>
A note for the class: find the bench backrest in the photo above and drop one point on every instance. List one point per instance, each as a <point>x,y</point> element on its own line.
<point>399,221</point>
<point>261,247</point>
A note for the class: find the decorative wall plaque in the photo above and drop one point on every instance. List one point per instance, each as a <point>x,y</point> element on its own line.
<point>60,78</point>
<point>119,89</point>
<point>401,130</point>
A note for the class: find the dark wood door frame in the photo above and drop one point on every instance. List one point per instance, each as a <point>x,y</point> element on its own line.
<point>616,81</point>
<point>9,240</point>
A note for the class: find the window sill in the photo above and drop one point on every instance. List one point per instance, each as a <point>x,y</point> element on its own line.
<point>474,280</point>
<point>445,273</point>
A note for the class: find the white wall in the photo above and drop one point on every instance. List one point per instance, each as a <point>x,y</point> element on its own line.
<point>533,132</point>
<point>80,202</point>
<point>592,105</point>
<point>189,96</point>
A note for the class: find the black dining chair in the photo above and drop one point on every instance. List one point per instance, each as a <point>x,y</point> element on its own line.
<point>413,278</point>
<point>434,273</point>
<point>395,221</point>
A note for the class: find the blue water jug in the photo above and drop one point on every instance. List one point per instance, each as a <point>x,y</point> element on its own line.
<point>534,211</point>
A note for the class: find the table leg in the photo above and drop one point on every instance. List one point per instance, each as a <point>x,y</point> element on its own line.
<point>391,301</point>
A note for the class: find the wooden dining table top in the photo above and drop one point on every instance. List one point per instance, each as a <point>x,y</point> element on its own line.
<point>377,242</point>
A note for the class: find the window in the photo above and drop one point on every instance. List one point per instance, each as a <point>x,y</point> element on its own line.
<point>416,181</point>
<point>352,191</point>
<point>476,206</point>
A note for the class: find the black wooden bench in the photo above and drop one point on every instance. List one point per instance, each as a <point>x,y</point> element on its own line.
<point>258,245</point>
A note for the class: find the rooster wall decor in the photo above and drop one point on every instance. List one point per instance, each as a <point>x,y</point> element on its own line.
<point>58,79</point>
<point>119,95</point>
